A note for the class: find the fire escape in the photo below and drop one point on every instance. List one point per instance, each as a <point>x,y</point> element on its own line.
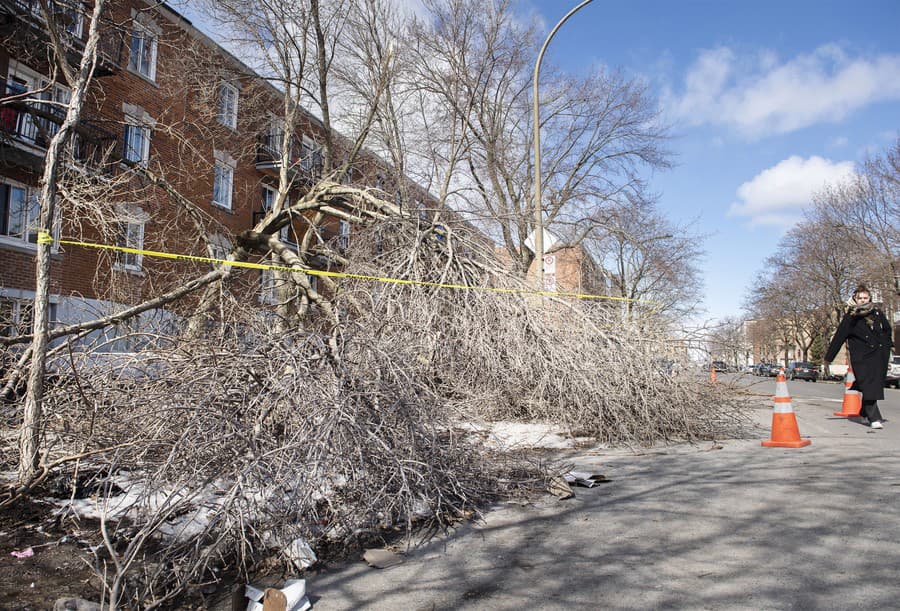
<point>31,112</point>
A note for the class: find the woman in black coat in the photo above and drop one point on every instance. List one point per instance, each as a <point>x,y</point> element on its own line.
<point>868,335</point>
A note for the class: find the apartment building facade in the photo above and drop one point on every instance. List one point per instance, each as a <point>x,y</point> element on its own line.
<point>175,134</point>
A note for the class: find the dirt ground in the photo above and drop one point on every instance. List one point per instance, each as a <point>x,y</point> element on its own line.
<point>59,568</point>
<point>61,564</point>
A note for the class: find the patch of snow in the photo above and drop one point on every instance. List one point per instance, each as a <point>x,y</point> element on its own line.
<point>505,435</point>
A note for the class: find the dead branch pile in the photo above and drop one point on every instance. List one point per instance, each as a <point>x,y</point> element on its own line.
<point>232,451</point>
<point>499,355</point>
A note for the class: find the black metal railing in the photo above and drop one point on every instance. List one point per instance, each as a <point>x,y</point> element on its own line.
<point>305,161</point>
<point>35,122</point>
<point>22,25</point>
<point>26,118</point>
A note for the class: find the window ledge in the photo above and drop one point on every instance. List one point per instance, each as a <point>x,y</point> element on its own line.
<point>142,77</point>
<point>129,270</point>
<point>27,248</point>
<point>219,206</point>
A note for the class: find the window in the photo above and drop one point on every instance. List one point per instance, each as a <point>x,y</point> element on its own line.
<point>271,141</point>
<point>268,288</point>
<point>16,316</point>
<point>223,183</point>
<point>69,14</point>
<point>143,51</point>
<point>343,235</point>
<point>269,195</point>
<point>310,156</point>
<point>136,146</point>
<point>19,213</point>
<point>228,104</point>
<point>219,248</point>
<point>130,235</point>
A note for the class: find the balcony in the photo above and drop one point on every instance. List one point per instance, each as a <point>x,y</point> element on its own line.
<point>305,167</point>
<point>24,32</point>
<point>27,126</point>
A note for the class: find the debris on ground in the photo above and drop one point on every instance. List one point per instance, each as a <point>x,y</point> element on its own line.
<point>381,558</point>
<point>75,604</point>
<point>292,597</point>
<point>583,478</point>
<point>559,487</point>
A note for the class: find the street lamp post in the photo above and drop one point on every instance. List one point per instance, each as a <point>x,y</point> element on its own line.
<point>538,211</point>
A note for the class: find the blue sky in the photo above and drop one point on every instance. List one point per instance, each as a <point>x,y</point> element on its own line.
<point>767,101</point>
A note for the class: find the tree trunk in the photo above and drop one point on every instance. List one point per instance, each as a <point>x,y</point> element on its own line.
<point>30,433</point>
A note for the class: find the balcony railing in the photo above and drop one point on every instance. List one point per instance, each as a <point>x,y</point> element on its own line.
<point>23,27</point>
<point>305,163</point>
<point>34,123</point>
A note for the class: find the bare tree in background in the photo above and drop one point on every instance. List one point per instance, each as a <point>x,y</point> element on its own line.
<point>650,259</point>
<point>599,132</point>
<point>729,341</point>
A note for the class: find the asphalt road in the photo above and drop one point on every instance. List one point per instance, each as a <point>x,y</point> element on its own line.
<point>731,525</point>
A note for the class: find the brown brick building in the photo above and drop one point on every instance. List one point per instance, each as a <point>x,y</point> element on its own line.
<point>167,100</point>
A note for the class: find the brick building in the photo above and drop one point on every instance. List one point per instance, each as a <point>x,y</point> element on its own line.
<point>178,132</point>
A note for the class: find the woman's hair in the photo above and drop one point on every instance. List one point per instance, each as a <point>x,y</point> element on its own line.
<point>861,288</point>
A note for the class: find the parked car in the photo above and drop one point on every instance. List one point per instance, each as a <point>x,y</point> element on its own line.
<point>893,374</point>
<point>719,366</point>
<point>802,370</point>
<point>836,372</point>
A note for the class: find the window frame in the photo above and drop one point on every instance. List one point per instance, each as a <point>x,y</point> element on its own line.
<point>343,234</point>
<point>269,195</point>
<point>227,114</point>
<point>221,169</point>
<point>134,64</point>
<point>132,126</point>
<point>127,261</point>
<point>268,287</point>
<point>31,196</point>
<point>16,306</point>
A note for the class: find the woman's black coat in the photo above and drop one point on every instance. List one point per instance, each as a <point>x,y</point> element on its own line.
<point>870,351</point>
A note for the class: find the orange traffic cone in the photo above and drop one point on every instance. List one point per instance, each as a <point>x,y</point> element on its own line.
<point>712,375</point>
<point>785,433</point>
<point>852,404</point>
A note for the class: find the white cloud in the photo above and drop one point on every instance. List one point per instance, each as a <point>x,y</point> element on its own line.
<point>778,195</point>
<point>762,95</point>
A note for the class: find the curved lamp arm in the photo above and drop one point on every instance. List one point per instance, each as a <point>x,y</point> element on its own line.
<point>538,210</point>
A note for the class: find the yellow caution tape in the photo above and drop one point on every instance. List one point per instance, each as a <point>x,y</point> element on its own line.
<point>45,238</point>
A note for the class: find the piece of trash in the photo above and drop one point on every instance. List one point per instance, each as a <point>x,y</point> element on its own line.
<point>75,604</point>
<point>28,552</point>
<point>300,554</point>
<point>293,595</point>
<point>381,558</point>
<point>560,488</point>
<point>583,478</point>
